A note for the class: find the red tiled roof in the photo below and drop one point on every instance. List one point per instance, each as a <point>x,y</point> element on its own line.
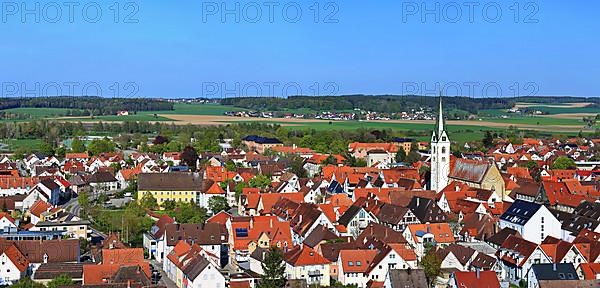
<point>357,261</point>
<point>521,246</point>
<point>94,274</point>
<point>472,279</point>
<point>441,231</point>
<point>304,256</point>
<point>215,189</point>
<point>123,256</point>
<point>220,218</point>
<point>82,155</point>
<point>8,182</point>
<point>16,257</point>
<point>7,216</point>
<point>590,271</point>
<point>39,207</point>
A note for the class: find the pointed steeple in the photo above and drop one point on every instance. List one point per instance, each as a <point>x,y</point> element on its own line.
<point>440,118</point>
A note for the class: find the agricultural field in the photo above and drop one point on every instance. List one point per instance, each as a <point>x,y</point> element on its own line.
<point>11,144</point>
<point>38,113</point>
<point>196,109</point>
<point>114,118</point>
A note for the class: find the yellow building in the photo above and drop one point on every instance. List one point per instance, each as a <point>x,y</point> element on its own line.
<point>176,186</point>
<point>479,174</point>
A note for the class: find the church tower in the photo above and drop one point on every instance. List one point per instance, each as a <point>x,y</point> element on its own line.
<point>440,153</point>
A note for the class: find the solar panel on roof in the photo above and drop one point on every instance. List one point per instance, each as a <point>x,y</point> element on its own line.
<point>241,232</point>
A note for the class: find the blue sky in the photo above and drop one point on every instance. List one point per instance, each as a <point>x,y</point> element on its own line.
<point>194,48</point>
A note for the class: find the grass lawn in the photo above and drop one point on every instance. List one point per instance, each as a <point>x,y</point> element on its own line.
<point>12,144</point>
<point>109,220</point>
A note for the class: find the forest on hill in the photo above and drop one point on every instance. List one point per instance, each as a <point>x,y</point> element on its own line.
<point>89,105</point>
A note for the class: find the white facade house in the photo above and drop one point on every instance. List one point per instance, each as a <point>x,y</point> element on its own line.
<point>533,221</point>
<point>14,265</point>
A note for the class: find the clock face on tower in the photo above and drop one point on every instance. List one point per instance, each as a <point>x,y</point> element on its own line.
<point>445,170</point>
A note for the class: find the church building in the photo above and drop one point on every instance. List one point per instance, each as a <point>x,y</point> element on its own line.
<point>440,154</point>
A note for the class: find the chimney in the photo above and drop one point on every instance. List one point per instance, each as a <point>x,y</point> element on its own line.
<point>300,219</point>
<point>251,222</point>
<point>418,201</point>
<point>271,223</point>
<point>456,188</point>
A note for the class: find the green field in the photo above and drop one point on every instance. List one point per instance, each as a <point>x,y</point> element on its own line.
<point>460,133</point>
<point>565,110</point>
<point>536,120</point>
<point>12,144</point>
<point>196,109</point>
<point>113,118</point>
<point>37,113</point>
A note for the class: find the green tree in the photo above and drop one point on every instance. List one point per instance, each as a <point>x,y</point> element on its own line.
<point>238,190</point>
<point>297,166</point>
<point>83,199</point>
<point>360,163</point>
<point>148,201</point>
<point>563,163</point>
<point>260,181</point>
<point>169,205</point>
<point>189,156</point>
<point>230,165</point>
<point>400,155</point>
<point>488,140</point>
<point>274,270</point>
<point>26,282</point>
<point>412,157</point>
<point>189,213</point>
<point>173,146</point>
<point>60,280</point>
<point>217,204</point>
<point>77,146</point>
<point>98,146</point>
<point>431,266</point>
<point>46,149</point>
<point>330,160</point>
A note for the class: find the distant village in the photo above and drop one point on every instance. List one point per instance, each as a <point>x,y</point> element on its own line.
<point>356,114</point>
<point>518,215</point>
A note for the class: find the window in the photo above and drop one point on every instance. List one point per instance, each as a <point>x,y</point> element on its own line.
<point>350,263</point>
<point>443,149</point>
<point>357,263</point>
<point>542,220</point>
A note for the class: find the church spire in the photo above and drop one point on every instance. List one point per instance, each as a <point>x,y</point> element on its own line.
<point>440,119</point>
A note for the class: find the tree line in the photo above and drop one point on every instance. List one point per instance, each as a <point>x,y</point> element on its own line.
<point>88,105</point>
